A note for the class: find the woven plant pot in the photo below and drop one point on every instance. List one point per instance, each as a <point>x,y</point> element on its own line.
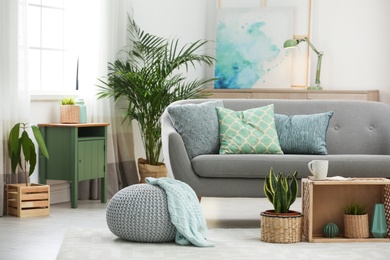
<point>356,226</point>
<point>69,114</point>
<point>278,228</point>
<point>147,170</point>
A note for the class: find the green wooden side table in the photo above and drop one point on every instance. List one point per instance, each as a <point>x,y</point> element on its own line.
<point>77,152</point>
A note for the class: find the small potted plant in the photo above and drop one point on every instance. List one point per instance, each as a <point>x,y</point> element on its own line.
<point>69,111</point>
<point>25,200</point>
<point>281,225</point>
<point>356,221</point>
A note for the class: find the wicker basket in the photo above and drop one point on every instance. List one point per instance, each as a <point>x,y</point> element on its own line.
<point>280,228</point>
<point>356,226</point>
<point>69,114</point>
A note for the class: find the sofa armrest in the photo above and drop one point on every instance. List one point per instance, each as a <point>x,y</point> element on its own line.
<point>175,154</point>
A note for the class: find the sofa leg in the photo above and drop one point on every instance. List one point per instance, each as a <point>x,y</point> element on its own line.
<point>199,198</point>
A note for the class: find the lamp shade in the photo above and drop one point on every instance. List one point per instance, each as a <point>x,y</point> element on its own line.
<point>291,43</point>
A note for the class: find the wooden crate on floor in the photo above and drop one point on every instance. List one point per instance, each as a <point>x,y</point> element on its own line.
<point>28,201</point>
<point>324,201</point>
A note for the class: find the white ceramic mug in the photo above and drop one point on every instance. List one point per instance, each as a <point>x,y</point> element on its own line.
<point>319,169</point>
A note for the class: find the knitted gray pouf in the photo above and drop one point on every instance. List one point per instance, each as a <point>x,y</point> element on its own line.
<point>140,213</point>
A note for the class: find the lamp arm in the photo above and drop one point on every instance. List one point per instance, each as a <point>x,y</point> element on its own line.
<point>318,71</point>
<point>311,45</point>
<point>319,61</point>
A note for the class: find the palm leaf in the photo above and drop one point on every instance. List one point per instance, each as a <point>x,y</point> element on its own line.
<point>148,79</point>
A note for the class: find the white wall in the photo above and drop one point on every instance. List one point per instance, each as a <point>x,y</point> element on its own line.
<point>353,35</point>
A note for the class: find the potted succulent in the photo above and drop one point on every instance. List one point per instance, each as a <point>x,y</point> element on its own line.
<point>149,78</point>
<point>356,221</point>
<point>69,111</point>
<point>281,225</point>
<point>24,200</point>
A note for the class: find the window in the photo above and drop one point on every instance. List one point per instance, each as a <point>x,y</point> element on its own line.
<point>52,56</point>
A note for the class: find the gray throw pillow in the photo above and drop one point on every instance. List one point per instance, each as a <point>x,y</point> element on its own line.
<point>198,126</point>
<point>303,134</point>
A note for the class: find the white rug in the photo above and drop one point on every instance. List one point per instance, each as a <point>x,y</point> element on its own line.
<point>229,244</point>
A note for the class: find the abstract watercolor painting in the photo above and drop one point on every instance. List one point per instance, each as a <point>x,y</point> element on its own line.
<point>249,48</point>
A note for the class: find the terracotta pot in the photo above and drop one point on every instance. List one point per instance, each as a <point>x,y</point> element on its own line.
<point>147,170</point>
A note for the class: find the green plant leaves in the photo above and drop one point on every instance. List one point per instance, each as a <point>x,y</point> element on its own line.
<point>24,145</point>
<point>149,78</point>
<point>40,141</point>
<point>279,191</point>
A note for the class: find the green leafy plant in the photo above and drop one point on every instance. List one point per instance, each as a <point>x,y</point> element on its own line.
<point>21,144</point>
<point>281,190</point>
<point>149,78</point>
<point>68,101</point>
<point>355,209</point>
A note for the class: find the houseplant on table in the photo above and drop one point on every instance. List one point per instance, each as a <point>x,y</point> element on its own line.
<point>148,78</point>
<point>69,111</point>
<point>281,225</point>
<point>356,221</point>
<point>24,200</point>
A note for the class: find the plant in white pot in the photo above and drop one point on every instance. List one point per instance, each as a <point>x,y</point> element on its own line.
<point>25,200</point>
<point>281,225</point>
<point>149,78</point>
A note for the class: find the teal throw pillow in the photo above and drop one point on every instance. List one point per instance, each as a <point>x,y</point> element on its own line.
<point>303,134</point>
<point>198,126</point>
<point>248,132</point>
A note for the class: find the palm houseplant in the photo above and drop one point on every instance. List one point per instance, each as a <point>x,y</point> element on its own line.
<point>356,221</point>
<point>29,199</point>
<point>281,225</point>
<point>150,76</point>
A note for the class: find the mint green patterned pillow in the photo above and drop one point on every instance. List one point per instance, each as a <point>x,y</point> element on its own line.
<point>303,134</point>
<point>248,132</point>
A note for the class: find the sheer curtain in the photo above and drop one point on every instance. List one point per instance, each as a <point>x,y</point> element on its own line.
<point>14,97</point>
<point>106,30</point>
<point>103,30</point>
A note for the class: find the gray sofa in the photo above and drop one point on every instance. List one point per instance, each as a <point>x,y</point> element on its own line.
<point>358,145</point>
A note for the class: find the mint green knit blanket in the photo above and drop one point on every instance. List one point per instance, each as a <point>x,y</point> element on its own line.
<point>185,212</point>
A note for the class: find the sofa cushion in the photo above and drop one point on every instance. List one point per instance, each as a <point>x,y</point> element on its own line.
<point>256,166</point>
<point>198,126</point>
<point>303,134</point>
<point>248,132</point>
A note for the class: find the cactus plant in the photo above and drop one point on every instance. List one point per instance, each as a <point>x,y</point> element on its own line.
<point>330,230</point>
<point>281,192</point>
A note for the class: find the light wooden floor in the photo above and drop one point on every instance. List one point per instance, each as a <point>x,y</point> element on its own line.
<point>41,237</point>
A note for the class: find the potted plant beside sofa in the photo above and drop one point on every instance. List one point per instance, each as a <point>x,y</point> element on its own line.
<point>281,225</point>
<point>26,200</point>
<point>149,78</point>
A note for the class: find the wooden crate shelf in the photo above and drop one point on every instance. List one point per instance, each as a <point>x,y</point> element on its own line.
<point>28,201</point>
<point>324,201</point>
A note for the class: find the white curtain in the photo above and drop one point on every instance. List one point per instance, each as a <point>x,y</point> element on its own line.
<point>14,97</point>
<point>105,35</point>
<point>103,30</point>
